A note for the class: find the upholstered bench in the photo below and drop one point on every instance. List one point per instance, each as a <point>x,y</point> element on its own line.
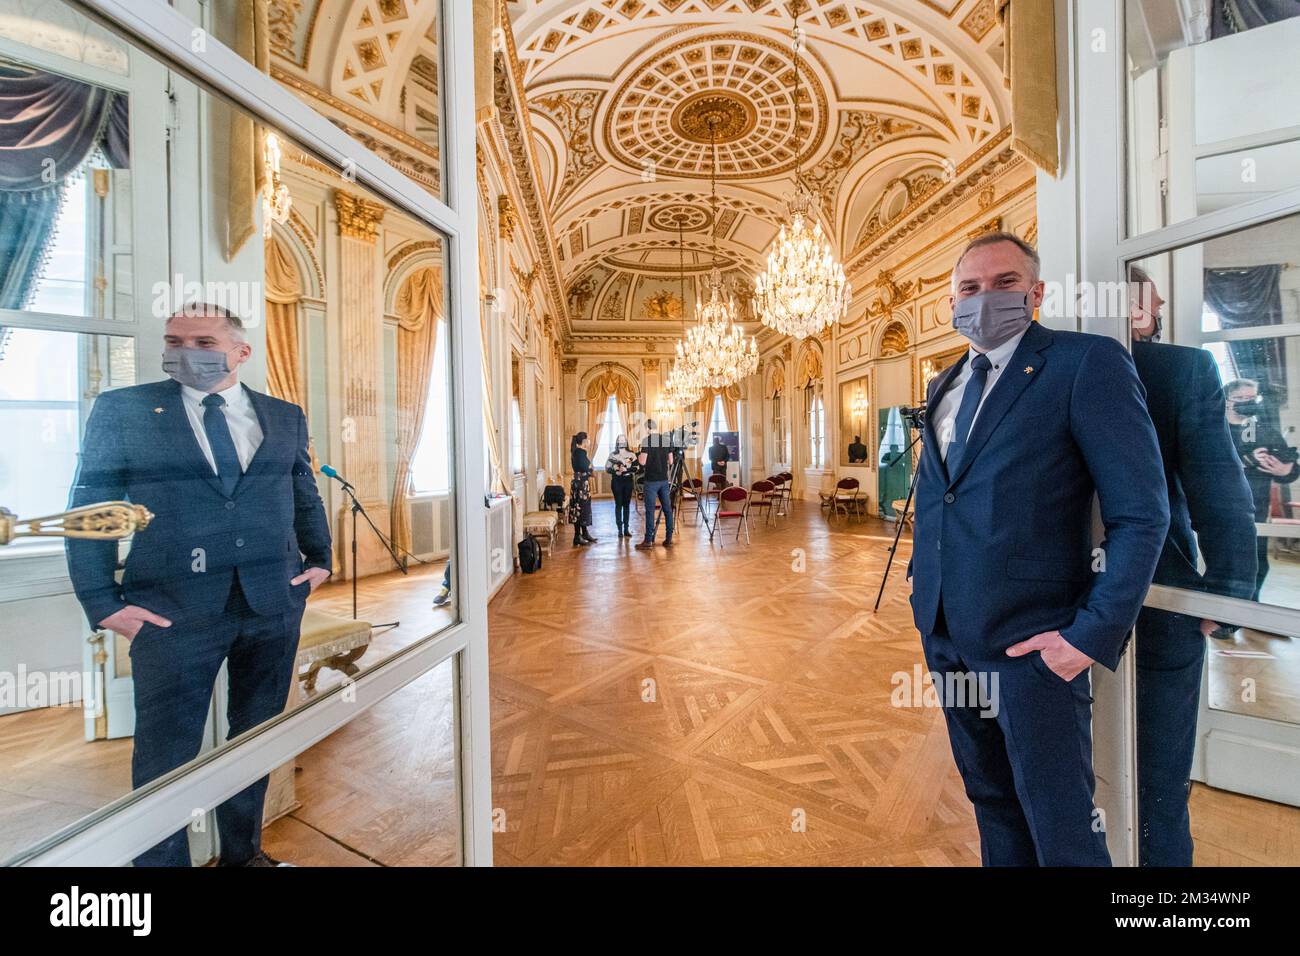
<point>327,640</point>
<point>542,525</point>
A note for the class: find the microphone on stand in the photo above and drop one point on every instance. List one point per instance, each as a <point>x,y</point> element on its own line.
<point>329,472</point>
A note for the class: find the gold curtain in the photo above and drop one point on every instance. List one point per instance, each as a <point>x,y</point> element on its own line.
<point>245,173</point>
<point>283,292</point>
<point>418,307</point>
<point>777,384</point>
<point>490,420</point>
<point>484,20</point>
<point>1029,72</point>
<point>598,392</point>
<point>810,368</point>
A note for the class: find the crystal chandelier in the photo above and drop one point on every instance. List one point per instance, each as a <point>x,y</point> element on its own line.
<point>803,290</point>
<point>715,353</point>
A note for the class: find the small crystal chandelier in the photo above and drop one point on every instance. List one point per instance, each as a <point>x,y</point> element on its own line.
<point>715,352</point>
<point>275,194</point>
<point>803,290</point>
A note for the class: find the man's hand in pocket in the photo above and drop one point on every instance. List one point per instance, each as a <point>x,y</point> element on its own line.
<point>127,621</point>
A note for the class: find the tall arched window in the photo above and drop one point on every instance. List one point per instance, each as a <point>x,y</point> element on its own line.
<point>816,429</point>
<point>611,426</point>
<point>717,423</point>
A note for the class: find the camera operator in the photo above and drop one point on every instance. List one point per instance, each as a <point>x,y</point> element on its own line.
<point>1265,455</point>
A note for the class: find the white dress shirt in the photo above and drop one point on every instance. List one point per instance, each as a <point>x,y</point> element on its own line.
<point>241,419</point>
<point>944,415</point>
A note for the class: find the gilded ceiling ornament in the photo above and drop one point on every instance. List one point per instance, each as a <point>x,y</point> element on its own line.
<point>860,132</point>
<point>663,306</point>
<point>889,294</point>
<point>574,112</point>
<point>358,218</point>
<point>580,294</point>
<point>507,218</point>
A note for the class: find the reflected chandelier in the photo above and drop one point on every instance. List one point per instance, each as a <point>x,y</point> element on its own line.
<point>803,290</point>
<point>715,352</point>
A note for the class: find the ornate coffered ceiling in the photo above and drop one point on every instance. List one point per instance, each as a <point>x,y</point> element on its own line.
<point>621,102</point>
<point>626,99</point>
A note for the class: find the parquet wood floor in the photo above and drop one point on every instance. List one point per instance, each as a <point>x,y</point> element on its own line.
<point>718,706</point>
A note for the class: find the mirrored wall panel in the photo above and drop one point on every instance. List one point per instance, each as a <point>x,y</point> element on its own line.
<point>1213,106</point>
<point>225,388</point>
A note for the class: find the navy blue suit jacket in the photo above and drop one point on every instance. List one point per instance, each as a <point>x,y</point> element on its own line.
<point>1207,487</point>
<point>1007,539</point>
<point>139,446</point>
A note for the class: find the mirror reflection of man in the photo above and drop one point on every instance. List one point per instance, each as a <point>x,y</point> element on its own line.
<point>719,455</point>
<point>1023,432</point>
<point>1211,517</point>
<point>1265,456</point>
<point>857,451</point>
<point>222,573</point>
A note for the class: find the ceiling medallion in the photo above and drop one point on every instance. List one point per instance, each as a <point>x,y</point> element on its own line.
<point>729,116</point>
<point>680,216</point>
<point>658,117</point>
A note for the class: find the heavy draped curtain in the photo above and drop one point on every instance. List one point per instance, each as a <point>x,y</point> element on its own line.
<point>49,125</point>
<point>598,392</point>
<point>1029,72</point>
<point>245,170</point>
<point>418,307</point>
<point>283,293</point>
<point>1250,298</point>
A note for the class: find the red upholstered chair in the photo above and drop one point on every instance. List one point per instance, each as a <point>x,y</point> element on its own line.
<point>846,497</point>
<point>763,496</point>
<point>734,503</point>
<point>781,486</point>
<point>714,488</point>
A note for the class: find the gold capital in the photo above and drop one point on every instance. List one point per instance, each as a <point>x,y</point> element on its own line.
<point>358,218</point>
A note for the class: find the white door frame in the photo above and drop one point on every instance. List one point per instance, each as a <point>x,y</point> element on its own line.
<point>115,834</point>
<point>1083,233</point>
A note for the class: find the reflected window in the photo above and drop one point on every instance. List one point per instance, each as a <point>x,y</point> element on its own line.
<point>611,426</point>
<point>431,464</point>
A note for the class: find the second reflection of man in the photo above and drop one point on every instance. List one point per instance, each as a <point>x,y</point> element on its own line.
<point>1210,511</point>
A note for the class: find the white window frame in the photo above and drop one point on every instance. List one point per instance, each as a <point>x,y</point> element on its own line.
<point>118,832</point>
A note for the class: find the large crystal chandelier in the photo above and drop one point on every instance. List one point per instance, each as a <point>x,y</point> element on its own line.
<point>715,352</point>
<point>803,290</point>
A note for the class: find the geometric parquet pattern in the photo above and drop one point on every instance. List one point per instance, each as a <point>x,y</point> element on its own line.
<point>718,706</point>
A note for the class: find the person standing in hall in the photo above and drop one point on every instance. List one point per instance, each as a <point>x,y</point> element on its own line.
<point>619,467</point>
<point>221,575</point>
<point>1008,592</point>
<point>656,459</point>
<point>580,490</point>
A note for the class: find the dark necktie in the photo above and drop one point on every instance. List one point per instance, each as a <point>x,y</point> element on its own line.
<point>222,445</point>
<point>970,401</point>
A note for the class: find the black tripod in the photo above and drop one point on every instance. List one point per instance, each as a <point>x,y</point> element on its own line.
<point>917,420</point>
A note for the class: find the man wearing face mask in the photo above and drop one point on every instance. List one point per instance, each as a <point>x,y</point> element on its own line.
<point>222,573</point>
<point>1007,590</point>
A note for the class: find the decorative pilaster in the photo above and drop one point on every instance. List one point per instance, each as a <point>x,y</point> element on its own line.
<point>360,315</point>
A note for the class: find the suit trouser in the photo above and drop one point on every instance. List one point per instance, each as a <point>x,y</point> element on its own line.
<point>660,491</point>
<point>1025,754</point>
<point>174,670</point>
<point>1170,655</point>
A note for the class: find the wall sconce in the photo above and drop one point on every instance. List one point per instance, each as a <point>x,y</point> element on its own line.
<point>275,194</point>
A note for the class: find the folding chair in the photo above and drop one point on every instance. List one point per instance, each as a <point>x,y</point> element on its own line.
<point>777,494</point>
<point>714,488</point>
<point>787,492</point>
<point>762,494</point>
<point>846,496</point>
<point>733,502</point>
<point>827,491</point>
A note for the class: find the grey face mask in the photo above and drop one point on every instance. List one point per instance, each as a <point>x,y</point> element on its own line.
<point>203,369</point>
<point>991,318</point>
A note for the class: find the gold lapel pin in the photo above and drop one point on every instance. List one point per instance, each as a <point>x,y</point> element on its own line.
<point>1028,369</point>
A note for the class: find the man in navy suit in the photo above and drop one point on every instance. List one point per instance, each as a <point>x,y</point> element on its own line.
<point>1008,591</point>
<point>222,573</point>
<point>1211,515</point>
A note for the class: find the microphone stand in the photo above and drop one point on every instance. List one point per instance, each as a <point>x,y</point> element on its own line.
<point>357,509</point>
